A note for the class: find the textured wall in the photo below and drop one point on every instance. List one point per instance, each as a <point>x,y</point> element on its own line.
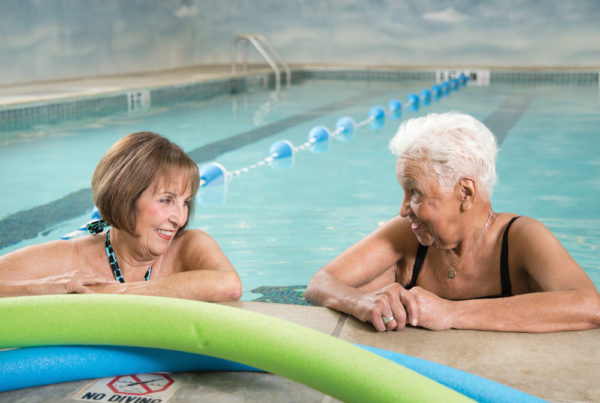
<point>51,39</point>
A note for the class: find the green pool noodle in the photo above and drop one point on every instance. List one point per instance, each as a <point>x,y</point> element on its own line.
<point>325,363</point>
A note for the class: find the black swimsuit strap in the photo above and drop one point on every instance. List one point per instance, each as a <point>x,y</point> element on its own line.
<point>504,272</point>
<point>419,259</point>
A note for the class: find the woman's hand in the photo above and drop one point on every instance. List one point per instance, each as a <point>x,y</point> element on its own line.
<point>130,287</point>
<point>385,303</point>
<point>425,309</point>
<point>73,282</point>
<point>417,307</point>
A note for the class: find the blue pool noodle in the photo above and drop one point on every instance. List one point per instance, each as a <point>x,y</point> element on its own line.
<point>477,388</point>
<point>36,366</point>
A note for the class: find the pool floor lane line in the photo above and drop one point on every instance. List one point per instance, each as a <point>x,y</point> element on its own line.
<point>506,116</point>
<point>28,224</point>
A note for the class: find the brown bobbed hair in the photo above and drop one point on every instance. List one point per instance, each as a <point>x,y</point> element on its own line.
<point>129,167</point>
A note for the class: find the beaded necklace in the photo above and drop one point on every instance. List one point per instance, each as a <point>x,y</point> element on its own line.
<point>112,260</point>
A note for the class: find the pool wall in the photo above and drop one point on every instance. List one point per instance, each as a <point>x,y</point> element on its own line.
<point>24,116</point>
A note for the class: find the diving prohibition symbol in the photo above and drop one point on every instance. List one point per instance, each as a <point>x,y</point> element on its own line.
<point>140,384</point>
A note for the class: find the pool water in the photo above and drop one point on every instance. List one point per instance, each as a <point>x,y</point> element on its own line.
<point>279,226</point>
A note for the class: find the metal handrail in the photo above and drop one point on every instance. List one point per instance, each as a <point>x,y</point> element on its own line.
<point>288,73</point>
<point>254,40</point>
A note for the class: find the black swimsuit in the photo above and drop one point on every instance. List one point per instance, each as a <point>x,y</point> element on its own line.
<point>504,274</point>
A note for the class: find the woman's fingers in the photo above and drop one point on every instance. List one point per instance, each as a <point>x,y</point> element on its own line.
<point>399,313</point>
<point>83,283</point>
<point>388,313</point>
<point>376,316</point>
<point>409,301</point>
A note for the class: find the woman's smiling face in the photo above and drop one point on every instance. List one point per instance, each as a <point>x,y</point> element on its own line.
<point>429,207</point>
<point>161,210</point>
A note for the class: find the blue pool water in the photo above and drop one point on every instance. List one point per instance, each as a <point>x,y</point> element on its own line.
<point>278,226</point>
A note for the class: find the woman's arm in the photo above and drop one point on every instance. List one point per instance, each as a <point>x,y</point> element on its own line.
<point>360,281</point>
<point>564,297</point>
<point>206,275</point>
<point>47,268</point>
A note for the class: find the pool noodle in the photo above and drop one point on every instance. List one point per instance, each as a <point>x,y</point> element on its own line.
<point>325,363</point>
<point>35,366</point>
<point>476,387</point>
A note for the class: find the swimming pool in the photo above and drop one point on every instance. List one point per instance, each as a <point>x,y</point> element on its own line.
<point>278,226</point>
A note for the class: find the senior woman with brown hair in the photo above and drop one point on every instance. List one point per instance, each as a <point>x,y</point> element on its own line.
<point>144,188</point>
<point>449,260</point>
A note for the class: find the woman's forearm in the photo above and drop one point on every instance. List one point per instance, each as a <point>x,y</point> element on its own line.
<point>64,283</point>
<point>14,289</point>
<point>535,313</point>
<point>202,285</point>
<point>326,290</point>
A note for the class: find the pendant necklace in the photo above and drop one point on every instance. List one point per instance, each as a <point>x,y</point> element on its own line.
<point>451,273</point>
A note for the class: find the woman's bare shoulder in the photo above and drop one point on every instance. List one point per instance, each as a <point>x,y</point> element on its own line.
<point>523,227</point>
<point>534,249</point>
<point>192,245</point>
<point>192,238</point>
<point>398,233</point>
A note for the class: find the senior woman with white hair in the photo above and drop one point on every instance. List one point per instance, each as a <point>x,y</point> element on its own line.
<point>448,260</point>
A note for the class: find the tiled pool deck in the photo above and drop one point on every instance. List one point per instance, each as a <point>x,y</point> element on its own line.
<point>559,367</point>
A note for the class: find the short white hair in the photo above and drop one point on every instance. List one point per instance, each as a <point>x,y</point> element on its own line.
<point>455,145</point>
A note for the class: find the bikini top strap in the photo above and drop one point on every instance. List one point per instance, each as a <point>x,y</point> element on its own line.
<point>419,259</point>
<point>504,272</point>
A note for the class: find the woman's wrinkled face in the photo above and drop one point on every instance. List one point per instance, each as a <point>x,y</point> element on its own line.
<point>430,208</point>
<point>161,210</point>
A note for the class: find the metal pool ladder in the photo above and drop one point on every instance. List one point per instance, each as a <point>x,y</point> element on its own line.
<point>272,57</point>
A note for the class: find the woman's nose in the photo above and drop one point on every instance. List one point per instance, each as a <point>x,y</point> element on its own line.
<point>405,207</point>
<point>179,216</point>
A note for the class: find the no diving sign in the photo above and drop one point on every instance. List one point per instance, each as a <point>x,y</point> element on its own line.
<point>140,384</point>
<point>143,388</point>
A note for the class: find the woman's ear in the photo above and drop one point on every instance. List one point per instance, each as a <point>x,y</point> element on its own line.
<point>467,192</point>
